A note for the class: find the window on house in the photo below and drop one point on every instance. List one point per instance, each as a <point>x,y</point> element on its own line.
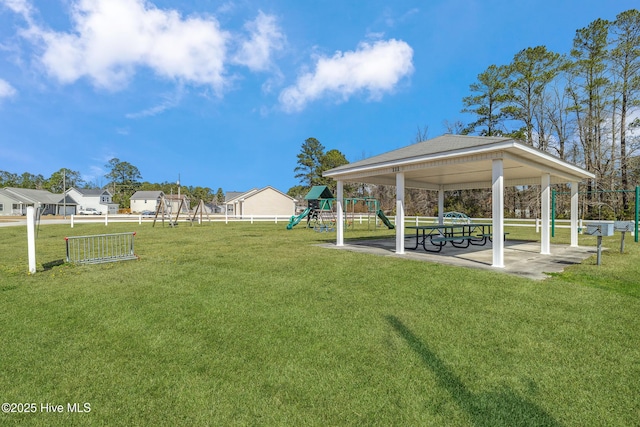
<point>15,206</point>
<point>1,207</point>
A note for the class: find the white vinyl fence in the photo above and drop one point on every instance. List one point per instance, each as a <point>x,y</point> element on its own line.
<point>284,219</point>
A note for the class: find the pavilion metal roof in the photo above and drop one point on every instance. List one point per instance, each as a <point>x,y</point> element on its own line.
<point>453,162</point>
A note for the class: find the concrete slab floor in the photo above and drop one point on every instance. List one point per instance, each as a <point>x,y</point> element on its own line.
<point>521,258</point>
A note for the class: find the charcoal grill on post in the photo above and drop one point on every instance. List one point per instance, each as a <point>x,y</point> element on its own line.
<point>599,229</point>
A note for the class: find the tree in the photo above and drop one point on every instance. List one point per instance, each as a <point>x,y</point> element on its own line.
<point>9,179</point>
<point>487,104</point>
<point>588,90</point>
<point>29,180</point>
<point>122,173</point>
<point>625,58</point>
<point>422,134</point>
<point>63,180</point>
<point>125,178</point>
<point>219,196</point>
<point>298,192</point>
<point>309,166</point>
<point>529,73</point>
<point>454,128</point>
<point>331,159</point>
<point>556,109</point>
<point>200,193</point>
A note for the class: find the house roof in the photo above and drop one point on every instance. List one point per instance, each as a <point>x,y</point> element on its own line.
<point>91,191</point>
<point>146,195</point>
<point>234,196</point>
<point>9,195</point>
<point>253,192</point>
<point>453,162</point>
<point>29,196</point>
<point>319,192</point>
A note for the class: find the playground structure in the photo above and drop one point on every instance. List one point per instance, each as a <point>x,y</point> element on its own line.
<point>321,211</point>
<point>164,211</point>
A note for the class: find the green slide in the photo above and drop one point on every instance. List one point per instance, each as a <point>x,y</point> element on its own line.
<point>384,219</point>
<point>296,219</point>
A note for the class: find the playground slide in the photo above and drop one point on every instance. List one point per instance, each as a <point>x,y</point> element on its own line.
<point>385,220</point>
<point>296,219</point>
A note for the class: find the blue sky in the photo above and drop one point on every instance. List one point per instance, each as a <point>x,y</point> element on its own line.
<point>224,93</point>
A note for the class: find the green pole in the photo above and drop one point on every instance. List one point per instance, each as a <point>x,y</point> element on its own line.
<point>553,213</point>
<point>635,236</point>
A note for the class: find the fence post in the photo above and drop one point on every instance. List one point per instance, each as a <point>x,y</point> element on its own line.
<point>635,237</point>
<point>31,240</point>
<point>72,220</point>
<point>106,220</point>
<point>537,225</point>
<point>553,213</point>
<point>140,219</point>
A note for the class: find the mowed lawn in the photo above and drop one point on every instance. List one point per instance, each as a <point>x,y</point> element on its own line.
<point>252,324</point>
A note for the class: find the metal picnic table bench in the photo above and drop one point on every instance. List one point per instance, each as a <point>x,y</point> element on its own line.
<point>459,235</point>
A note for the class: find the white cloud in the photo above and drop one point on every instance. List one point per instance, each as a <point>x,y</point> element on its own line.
<point>151,111</point>
<point>22,7</point>
<point>265,38</point>
<point>169,101</point>
<point>6,90</point>
<point>111,38</point>
<point>374,68</point>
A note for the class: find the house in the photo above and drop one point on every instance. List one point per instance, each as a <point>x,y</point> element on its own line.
<point>11,204</point>
<point>98,199</point>
<point>145,201</point>
<point>260,202</point>
<point>15,201</point>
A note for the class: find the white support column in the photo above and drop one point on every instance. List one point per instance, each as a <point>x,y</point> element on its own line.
<point>339,215</point>
<point>497,202</point>
<point>400,213</point>
<point>545,197</point>
<point>441,206</point>
<point>574,214</point>
<point>31,239</point>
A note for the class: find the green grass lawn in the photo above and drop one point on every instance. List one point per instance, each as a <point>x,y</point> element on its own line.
<point>252,324</point>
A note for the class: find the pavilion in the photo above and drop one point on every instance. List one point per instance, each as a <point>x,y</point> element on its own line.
<point>458,162</point>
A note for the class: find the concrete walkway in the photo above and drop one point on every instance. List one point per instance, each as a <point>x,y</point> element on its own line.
<point>521,258</point>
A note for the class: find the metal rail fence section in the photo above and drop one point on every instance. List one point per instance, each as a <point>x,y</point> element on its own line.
<point>100,248</point>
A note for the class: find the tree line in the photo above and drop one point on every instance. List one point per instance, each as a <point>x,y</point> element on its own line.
<point>582,106</point>
<point>124,179</point>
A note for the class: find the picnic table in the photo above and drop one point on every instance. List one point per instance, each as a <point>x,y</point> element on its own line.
<point>433,237</point>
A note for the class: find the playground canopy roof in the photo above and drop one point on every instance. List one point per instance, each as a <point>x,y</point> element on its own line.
<point>319,192</point>
<point>455,162</point>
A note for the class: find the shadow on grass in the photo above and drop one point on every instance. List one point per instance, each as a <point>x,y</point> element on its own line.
<point>49,265</point>
<point>496,408</point>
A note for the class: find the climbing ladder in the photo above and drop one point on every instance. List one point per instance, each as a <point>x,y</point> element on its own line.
<point>325,220</point>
